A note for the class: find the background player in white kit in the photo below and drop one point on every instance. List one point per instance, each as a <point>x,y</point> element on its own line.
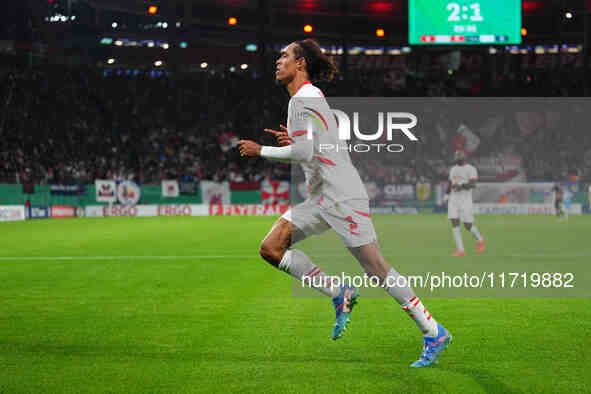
<point>462,177</point>
<point>337,198</point>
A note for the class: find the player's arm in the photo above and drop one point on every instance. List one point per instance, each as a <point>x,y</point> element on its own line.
<point>450,185</point>
<point>470,185</point>
<point>298,140</point>
<point>301,150</point>
<point>448,188</point>
<point>298,148</point>
<point>252,149</point>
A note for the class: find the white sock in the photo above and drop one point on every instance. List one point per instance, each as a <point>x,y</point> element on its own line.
<point>458,237</point>
<point>297,264</point>
<point>394,287</point>
<point>475,233</point>
<point>415,309</point>
<point>410,303</point>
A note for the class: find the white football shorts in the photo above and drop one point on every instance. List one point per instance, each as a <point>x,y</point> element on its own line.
<point>461,209</point>
<point>350,219</point>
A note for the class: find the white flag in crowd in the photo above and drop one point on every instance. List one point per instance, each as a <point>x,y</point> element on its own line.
<point>215,193</point>
<point>170,188</point>
<point>275,192</point>
<point>106,191</point>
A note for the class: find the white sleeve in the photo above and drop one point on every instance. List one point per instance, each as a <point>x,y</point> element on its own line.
<point>301,151</point>
<point>283,153</point>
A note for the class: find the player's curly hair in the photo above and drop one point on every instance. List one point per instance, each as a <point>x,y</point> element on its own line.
<point>320,67</point>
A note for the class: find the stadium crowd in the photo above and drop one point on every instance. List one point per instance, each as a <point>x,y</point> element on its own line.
<point>74,125</point>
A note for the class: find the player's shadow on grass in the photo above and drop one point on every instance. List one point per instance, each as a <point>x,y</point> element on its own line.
<point>489,382</point>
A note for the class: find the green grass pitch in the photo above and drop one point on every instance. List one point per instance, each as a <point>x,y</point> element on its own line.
<point>182,305</point>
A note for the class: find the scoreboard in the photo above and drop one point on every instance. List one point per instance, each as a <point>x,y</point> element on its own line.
<point>464,22</point>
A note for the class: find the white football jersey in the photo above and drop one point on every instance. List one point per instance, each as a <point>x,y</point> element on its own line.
<point>329,173</point>
<point>461,175</point>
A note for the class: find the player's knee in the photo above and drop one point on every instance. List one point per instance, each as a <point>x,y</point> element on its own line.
<point>270,252</point>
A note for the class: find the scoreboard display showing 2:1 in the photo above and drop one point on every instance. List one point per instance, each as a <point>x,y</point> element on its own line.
<point>464,22</point>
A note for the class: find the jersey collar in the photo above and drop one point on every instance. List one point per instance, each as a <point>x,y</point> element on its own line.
<point>305,83</point>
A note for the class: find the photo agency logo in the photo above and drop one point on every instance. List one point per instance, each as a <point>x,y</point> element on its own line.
<point>390,125</point>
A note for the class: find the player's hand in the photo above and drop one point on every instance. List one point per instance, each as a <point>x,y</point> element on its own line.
<point>284,140</point>
<point>249,148</point>
<point>282,136</point>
